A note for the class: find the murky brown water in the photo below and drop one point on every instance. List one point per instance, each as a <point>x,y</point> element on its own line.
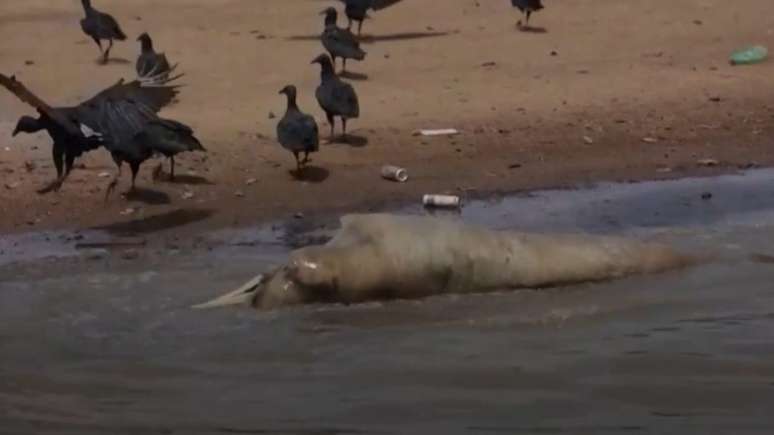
<point>110,347</point>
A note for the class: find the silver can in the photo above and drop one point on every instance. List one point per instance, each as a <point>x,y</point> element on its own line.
<point>394,173</point>
<point>445,201</point>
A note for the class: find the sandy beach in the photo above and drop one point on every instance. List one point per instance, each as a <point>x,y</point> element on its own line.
<point>611,90</point>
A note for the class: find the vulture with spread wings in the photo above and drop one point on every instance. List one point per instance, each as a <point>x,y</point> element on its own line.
<point>122,118</point>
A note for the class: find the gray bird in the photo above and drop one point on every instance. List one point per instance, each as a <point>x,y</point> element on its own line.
<point>357,10</point>
<point>151,65</point>
<point>339,42</point>
<point>66,126</point>
<point>296,131</point>
<point>336,97</point>
<point>527,7</point>
<point>101,26</point>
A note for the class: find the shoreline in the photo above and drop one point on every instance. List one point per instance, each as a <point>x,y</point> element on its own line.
<point>647,210</point>
<point>181,218</point>
<point>302,227</point>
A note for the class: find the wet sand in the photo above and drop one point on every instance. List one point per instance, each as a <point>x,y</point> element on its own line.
<point>93,343</point>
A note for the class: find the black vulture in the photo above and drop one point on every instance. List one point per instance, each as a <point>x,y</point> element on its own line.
<point>66,126</point>
<point>66,147</point>
<point>527,7</point>
<point>132,133</point>
<point>162,136</point>
<point>296,131</point>
<point>152,66</point>
<point>170,138</point>
<point>339,42</point>
<point>357,10</point>
<point>99,25</point>
<point>336,97</point>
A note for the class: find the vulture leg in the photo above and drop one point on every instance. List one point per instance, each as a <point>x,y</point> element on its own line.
<point>298,163</point>
<point>157,171</point>
<point>344,64</point>
<point>112,186</point>
<point>344,128</point>
<point>69,161</point>
<point>359,28</point>
<point>57,184</point>
<point>135,167</point>
<point>107,52</point>
<point>332,123</point>
<point>54,185</point>
<point>526,22</point>
<point>58,155</point>
<point>99,44</point>
<point>306,157</point>
<point>172,168</point>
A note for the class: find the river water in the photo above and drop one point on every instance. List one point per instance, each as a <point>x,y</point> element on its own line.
<point>102,345</point>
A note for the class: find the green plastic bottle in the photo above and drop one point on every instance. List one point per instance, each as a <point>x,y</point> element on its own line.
<point>749,55</point>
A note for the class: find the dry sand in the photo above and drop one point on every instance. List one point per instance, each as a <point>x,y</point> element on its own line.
<point>611,90</point>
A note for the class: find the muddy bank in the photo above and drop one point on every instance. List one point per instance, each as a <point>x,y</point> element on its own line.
<point>686,202</point>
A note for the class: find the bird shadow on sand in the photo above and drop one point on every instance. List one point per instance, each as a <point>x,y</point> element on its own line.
<point>159,222</point>
<point>531,29</point>
<point>310,174</point>
<point>148,196</point>
<point>352,140</point>
<point>303,38</point>
<point>370,39</point>
<point>113,61</point>
<point>353,75</point>
<point>185,179</point>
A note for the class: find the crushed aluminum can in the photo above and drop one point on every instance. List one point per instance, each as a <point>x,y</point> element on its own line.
<point>394,173</point>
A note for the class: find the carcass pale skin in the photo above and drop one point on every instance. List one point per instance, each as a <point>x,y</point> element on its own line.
<point>378,257</point>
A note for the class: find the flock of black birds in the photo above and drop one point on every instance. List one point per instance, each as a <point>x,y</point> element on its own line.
<point>124,117</point>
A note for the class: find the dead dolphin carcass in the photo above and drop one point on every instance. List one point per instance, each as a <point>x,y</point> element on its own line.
<point>382,256</point>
